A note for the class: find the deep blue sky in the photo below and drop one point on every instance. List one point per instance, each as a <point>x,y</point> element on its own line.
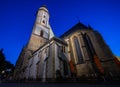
<point>17,19</point>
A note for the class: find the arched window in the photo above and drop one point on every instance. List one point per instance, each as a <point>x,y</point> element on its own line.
<point>78,51</point>
<point>44,16</point>
<point>43,21</point>
<point>41,33</point>
<point>89,46</point>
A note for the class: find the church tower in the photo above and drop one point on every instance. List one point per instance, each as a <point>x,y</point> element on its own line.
<point>42,31</point>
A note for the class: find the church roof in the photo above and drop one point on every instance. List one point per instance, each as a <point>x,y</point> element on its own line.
<point>59,40</point>
<point>78,26</point>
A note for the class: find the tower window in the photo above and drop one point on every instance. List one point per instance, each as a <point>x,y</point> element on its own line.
<point>41,33</point>
<point>43,21</point>
<point>44,16</point>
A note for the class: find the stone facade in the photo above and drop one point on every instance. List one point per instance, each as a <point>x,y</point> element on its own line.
<point>43,57</point>
<point>79,52</point>
<point>90,44</point>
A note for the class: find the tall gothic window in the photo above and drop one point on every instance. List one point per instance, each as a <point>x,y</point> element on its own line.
<point>89,45</point>
<point>78,51</point>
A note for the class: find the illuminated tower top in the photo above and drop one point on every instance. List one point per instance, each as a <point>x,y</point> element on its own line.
<point>42,26</point>
<point>42,31</point>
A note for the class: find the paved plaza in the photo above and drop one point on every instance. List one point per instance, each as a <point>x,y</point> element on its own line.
<point>14,84</point>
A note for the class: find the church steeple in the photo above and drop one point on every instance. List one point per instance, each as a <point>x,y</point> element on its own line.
<point>42,31</point>
<point>43,16</point>
<point>42,26</point>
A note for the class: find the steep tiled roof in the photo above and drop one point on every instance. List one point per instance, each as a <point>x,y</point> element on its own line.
<point>78,26</point>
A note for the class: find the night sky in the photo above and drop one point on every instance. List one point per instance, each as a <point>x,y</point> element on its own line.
<point>17,18</point>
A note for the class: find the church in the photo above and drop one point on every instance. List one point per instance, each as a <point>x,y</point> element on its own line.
<point>81,52</point>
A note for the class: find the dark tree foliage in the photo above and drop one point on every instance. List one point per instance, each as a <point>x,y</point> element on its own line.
<point>4,64</point>
<point>2,61</point>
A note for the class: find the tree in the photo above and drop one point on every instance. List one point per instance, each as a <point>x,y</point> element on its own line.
<point>2,61</point>
<point>6,68</point>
